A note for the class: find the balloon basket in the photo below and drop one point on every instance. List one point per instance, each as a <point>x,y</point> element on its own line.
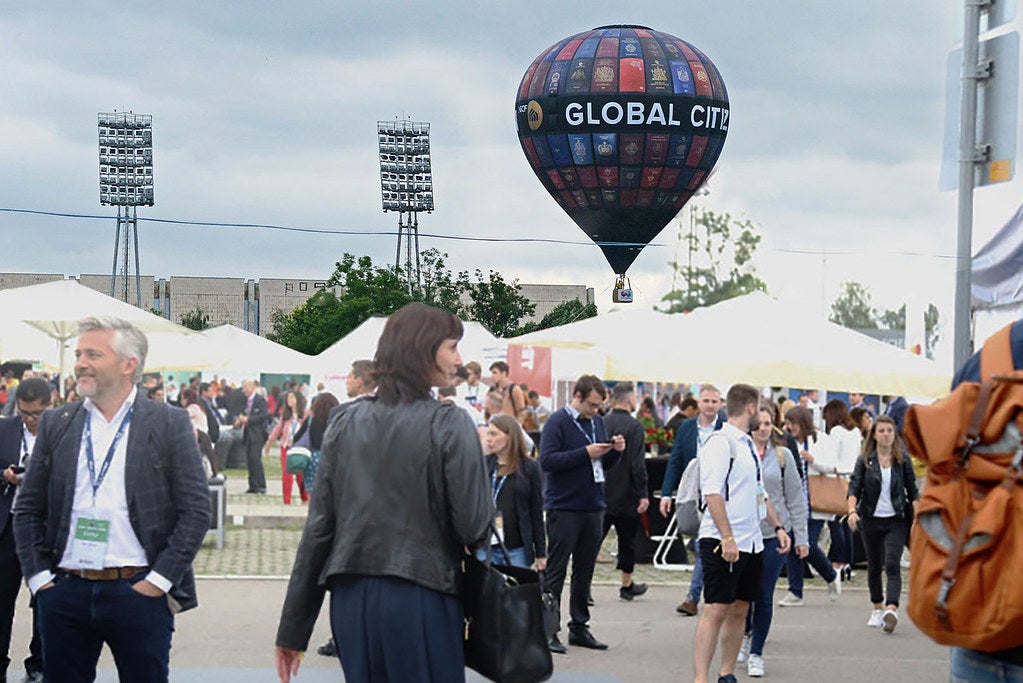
<point>623,291</point>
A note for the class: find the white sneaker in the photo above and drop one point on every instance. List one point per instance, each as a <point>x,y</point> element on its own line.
<point>875,619</point>
<point>755,666</point>
<point>790,600</point>
<point>889,620</point>
<point>835,587</point>
<point>747,640</point>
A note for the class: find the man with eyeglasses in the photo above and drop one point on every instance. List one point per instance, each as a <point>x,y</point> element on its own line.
<point>575,449</point>
<point>17,437</point>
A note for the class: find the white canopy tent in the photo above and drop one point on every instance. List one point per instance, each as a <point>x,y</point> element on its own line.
<point>54,309</point>
<point>477,344</point>
<point>752,339</point>
<point>242,354</point>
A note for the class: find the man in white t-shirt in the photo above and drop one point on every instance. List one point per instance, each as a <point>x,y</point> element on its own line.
<point>730,543</point>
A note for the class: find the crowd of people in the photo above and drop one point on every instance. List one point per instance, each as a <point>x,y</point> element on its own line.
<point>424,460</point>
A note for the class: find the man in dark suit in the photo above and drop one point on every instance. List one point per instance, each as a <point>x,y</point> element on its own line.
<point>110,515</point>
<point>253,423</point>
<point>17,437</point>
<point>897,407</point>
<point>691,436</point>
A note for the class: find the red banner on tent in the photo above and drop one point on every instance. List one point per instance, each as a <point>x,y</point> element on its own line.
<point>530,365</point>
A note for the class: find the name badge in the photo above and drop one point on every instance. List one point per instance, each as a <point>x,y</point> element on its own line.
<point>598,471</point>
<point>89,548</point>
<point>761,501</point>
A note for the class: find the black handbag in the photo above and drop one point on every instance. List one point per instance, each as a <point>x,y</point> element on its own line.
<point>505,639</point>
<point>551,611</point>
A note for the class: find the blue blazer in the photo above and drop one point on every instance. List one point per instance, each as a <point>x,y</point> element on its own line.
<point>168,495</point>
<point>682,453</point>
<point>10,454</point>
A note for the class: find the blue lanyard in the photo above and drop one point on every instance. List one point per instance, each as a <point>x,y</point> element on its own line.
<point>591,436</point>
<point>756,458</point>
<point>497,484</point>
<point>91,459</point>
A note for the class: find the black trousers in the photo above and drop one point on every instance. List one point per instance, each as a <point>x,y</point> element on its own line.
<point>10,584</point>
<point>883,538</point>
<point>576,535</point>
<point>254,463</point>
<point>627,526</point>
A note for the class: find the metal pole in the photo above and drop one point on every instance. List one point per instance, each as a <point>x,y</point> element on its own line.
<point>138,277</point>
<point>117,245</point>
<point>962,344</point>
<point>419,282</point>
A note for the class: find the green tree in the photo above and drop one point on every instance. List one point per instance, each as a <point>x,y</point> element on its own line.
<point>719,262</point>
<point>852,308</point>
<point>564,313</point>
<point>195,319</point>
<point>367,290</point>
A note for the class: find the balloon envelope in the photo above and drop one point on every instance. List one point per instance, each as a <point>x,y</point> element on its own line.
<point>622,125</point>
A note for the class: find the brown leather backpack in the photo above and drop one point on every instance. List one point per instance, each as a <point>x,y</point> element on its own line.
<point>966,547</point>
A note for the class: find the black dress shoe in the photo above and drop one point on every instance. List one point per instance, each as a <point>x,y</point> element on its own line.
<point>328,649</point>
<point>583,638</point>
<point>556,646</point>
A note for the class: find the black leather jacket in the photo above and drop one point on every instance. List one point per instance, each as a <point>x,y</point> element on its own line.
<point>865,484</point>
<point>400,491</point>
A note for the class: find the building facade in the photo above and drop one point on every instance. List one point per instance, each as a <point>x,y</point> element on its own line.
<point>250,304</point>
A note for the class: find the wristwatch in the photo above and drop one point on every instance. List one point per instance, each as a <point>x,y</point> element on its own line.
<point>779,528</point>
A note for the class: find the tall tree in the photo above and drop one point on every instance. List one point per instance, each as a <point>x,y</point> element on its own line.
<point>719,251</point>
<point>564,313</point>
<point>852,308</point>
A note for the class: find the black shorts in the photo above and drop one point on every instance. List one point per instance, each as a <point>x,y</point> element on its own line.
<point>725,582</point>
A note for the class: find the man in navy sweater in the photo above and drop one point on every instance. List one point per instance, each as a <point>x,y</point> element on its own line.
<point>575,449</point>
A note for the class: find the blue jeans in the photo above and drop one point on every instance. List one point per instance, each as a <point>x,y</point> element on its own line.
<point>696,583</point>
<point>758,619</point>
<point>76,616</point>
<point>817,559</point>
<point>970,666</point>
<point>516,556</point>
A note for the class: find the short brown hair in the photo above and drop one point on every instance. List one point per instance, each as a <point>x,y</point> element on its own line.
<point>407,351</point>
<point>739,396</point>
<point>588,383</point>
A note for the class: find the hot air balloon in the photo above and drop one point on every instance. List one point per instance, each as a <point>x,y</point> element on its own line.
<point>622,125</point>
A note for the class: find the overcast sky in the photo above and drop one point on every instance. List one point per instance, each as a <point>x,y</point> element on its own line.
<point>265,112</point>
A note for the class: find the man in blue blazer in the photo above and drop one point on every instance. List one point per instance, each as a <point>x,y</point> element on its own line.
<point>111,513</point>
<point>17,436</point>
<point>691,436</point>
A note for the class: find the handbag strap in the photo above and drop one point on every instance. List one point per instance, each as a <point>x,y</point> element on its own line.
<point>492,531</point>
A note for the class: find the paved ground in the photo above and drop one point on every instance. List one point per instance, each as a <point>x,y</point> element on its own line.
<point>230,637</point>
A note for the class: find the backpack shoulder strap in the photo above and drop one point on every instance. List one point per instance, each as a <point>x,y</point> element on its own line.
<point>996,354</point>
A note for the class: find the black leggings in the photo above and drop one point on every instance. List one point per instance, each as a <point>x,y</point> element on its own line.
<point>883,538</point>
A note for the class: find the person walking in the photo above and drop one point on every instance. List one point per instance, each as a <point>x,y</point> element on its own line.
<point>881,488</point>
<point>402,489</point>
<point>785,490</point>
<point>286,433</point>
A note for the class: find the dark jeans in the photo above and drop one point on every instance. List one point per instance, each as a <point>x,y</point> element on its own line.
<point>389,629</point>
<point>576,535</point>
<point>626,526</point>
<point>761,611</point>
<point>817,559</point>
<point>76,616</point>
<point>10,584</point>
<point>254,463</point>
<point>841,542</point>
<point>883,538</point>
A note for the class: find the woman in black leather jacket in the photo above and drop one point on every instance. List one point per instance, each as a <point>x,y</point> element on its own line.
<point>401,491</point>
<point>882,487</point>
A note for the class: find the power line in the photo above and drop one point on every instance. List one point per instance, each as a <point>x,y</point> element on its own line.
<point>324,231</point>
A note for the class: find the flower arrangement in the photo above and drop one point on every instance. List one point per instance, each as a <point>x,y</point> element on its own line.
<point>656,436</point>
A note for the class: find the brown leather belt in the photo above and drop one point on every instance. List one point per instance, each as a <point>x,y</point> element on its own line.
<point>107,573</point>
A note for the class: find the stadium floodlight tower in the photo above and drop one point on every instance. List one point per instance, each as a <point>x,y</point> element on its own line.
<point>406,183</point>
<point>126,181</point>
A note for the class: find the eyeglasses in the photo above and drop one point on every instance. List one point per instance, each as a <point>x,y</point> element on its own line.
<point>592,404</point>
<point>31,414</point>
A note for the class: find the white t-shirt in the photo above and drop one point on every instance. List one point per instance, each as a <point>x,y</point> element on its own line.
<point>743,481</point>
<point>884,501</point>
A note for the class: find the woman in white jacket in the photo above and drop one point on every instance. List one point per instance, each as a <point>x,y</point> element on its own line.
<point>819,455</point>
<point>848,441</point>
